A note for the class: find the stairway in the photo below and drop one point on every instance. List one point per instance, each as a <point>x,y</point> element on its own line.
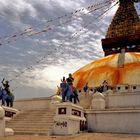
<point>32,122</point>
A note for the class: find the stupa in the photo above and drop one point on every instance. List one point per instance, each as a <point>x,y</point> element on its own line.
<point>113,111</point>
<point>121,46</point>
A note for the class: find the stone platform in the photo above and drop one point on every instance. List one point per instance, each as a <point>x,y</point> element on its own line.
<point>120,113</point>
<point>114,121</point>
<point>69,119</point>
<point>113,111</point>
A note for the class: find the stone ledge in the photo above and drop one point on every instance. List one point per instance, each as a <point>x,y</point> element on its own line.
<point>125,93</point>
<point>34,99</point>
<point>113,111</point>
<point>70,117</point>
<point>10,109</point>
<point>70,104</point>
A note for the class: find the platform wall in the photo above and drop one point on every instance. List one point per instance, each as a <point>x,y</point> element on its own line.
<point>114,121</point>
<point>31,104</point>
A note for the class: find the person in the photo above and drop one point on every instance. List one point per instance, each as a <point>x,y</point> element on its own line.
<point>104,86</point>
<point>64,88</point>
<point>10,97</point>
<point>74,95</point>
<point>2,96</point>
<point>70,79</point>
<point>86,88</point>
<point>6,86</point>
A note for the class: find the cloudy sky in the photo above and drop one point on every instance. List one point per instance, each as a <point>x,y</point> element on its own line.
<point>35,61</point>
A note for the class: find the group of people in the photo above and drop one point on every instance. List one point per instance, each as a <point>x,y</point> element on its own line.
<point>102,88</point>
<point>70,93</point>
<point>5,94</point>
<point>67,90</point>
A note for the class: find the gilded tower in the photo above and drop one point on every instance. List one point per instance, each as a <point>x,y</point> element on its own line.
<point>124,30</point>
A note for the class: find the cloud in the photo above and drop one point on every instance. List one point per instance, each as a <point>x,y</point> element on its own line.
<point>14,11</point>
<point>60,51</point>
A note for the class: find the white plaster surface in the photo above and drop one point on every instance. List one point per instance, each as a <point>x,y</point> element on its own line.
<point>121,114</point>
<point>9,132</point>
<point>68,124</point>
<point>2,122</point>
<point>98,101</point>
<point>34,103</point>
<point>123,100</point>
<point>1,113</point>
<point>10,109</point>
<point>54,101</point>
<point>117,121</point>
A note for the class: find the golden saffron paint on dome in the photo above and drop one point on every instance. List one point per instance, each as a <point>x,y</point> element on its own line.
<point>107,69</point>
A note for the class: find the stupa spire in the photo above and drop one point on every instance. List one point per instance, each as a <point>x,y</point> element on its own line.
<point>124,30</point>
<point>125,20</point>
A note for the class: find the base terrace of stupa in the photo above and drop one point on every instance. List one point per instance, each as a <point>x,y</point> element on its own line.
<point>117,110</point>
<point>114,111</point>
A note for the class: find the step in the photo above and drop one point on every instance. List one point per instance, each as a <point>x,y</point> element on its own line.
<point>30,122</point>
<point>32,133</point>
<point>37,111</point>
<point>31,117</point>
<point>33,130</point>
<point>30,125</point>
<point>39,114</point>
<point>33,121</point>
